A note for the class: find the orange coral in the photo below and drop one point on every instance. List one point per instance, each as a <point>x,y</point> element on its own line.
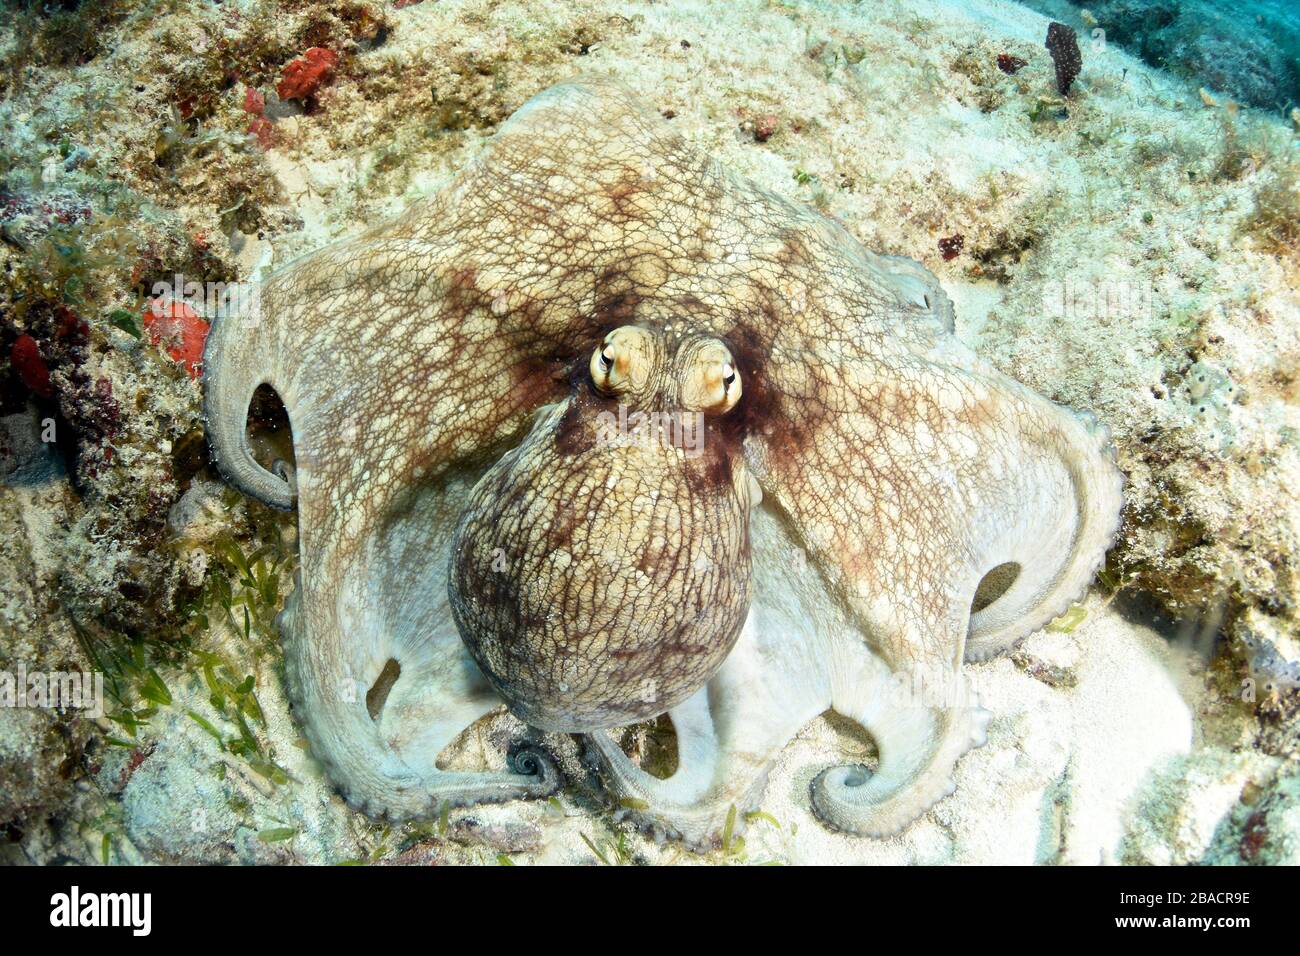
<point>178,330</point>
<point>302,77</point>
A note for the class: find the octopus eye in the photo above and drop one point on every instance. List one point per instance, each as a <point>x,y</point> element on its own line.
<point>602,367</point>
<point>710,381</point>
<point>624,362</point>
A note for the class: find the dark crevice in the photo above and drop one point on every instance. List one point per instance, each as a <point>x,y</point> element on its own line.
<point>653,746</point>
<point>995,584</point>
<point>377,696</point>
<point>269,436</point>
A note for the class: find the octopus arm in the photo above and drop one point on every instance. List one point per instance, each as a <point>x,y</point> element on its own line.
<point>909,482</point>
<point>416,349</point>
<point>380,679</point>
<point>465,310</point>
<point>916,483</point>
<point>728,735</point>
<point>800,654</point>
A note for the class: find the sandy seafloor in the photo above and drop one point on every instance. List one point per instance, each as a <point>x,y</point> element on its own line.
<point>1123,735</point>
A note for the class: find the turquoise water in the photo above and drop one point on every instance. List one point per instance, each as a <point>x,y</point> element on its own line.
<point>1248,50</point>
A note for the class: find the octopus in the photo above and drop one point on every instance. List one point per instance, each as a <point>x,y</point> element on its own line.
<point>601,431</point>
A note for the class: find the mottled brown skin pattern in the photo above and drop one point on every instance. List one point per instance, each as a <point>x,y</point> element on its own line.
<point>411,358</point>
<point>600,580</point>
